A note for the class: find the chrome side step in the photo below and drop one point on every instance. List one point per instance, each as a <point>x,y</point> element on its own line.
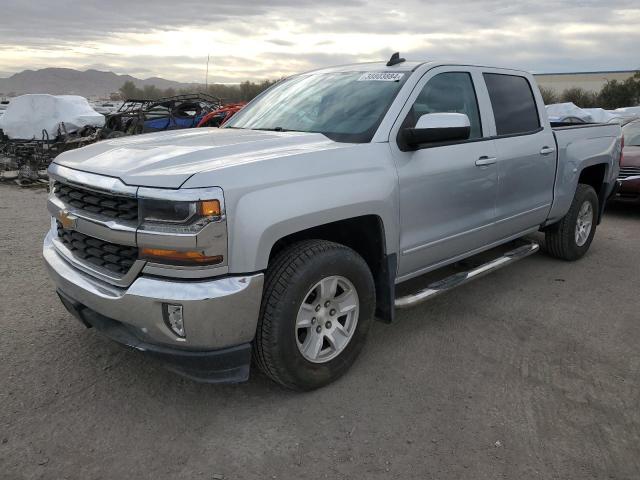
<point>457,279</point>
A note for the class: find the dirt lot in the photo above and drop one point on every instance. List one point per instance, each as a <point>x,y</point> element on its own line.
<point>533,372</point>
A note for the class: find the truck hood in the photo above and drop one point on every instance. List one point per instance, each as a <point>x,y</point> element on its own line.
<point>168,159</point>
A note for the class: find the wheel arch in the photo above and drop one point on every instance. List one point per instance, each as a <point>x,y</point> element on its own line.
<point>365,235</point>
<point>594,176</point>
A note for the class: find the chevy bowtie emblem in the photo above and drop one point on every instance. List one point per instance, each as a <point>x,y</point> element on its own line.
<point>67,220</point>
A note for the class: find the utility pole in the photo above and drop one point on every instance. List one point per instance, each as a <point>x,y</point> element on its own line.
<point>206,77</point>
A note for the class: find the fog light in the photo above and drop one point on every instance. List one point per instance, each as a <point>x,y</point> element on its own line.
<point>173,318</point>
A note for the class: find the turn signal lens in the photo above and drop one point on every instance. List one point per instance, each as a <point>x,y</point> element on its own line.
<point>179,258</point>
<point>209,208</point>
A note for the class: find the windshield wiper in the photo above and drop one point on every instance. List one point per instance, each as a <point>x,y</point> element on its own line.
<point>275,129</point>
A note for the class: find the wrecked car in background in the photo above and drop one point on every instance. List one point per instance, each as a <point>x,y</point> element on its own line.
<point>218,117</point>
<point>34,129</point>
<point>169,113</point>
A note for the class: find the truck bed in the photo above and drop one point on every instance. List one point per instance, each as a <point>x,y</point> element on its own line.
<point>578,147</point>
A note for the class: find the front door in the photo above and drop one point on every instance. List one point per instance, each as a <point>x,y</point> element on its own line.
<point>447,192</point>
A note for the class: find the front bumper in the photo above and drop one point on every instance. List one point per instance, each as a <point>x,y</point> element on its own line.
<point>629,189</point>
<point>219,314</point>
<point>228,365</point>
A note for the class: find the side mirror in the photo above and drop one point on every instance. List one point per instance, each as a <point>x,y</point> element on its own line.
<point>436,128</point>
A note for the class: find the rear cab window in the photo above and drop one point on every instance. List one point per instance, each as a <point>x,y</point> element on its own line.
<point>514,106</point>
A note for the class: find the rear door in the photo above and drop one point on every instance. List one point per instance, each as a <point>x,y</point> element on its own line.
<point>526,153</point>
<point>447,192</point>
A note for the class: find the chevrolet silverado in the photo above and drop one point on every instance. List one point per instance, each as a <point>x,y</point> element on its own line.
<point>280,236</point>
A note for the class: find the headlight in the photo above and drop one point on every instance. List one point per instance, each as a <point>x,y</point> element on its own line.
<point>178,216</point>
<point>182,227</point>
<point>179,211</point>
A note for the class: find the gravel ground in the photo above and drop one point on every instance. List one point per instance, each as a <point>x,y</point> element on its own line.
<point>532,372</point>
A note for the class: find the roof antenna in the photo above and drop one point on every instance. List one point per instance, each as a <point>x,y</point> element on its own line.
<point>395,59</point>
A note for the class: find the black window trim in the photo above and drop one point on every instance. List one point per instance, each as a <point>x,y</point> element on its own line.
<point>474,140</point>
<point>518,134</point>
<point>482,138</point>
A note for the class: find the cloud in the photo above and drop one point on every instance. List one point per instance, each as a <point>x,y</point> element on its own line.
<point>258,39</point>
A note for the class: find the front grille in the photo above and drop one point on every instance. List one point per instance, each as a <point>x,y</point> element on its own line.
<point>628,172</point>
<point>115,258</point>
<point>112,206</point>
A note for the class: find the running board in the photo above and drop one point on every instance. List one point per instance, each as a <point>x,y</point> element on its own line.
<point>457,279</point>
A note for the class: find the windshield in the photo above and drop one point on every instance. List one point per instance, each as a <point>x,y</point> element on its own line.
<point>344,106</point>
<point>631,132</point>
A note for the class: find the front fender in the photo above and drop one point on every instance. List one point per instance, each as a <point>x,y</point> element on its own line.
<point>264,216</point>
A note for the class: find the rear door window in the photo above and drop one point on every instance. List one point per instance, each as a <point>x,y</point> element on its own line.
<point>514,107</point>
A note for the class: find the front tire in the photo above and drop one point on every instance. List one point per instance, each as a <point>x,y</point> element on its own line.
<point>571,237</point>
<point>317,307</point>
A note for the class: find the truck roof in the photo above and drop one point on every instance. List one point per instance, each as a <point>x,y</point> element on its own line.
<point>405,66</point>
<point>371,66</point>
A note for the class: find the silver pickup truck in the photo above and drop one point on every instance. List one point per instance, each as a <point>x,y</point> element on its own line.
<point>280,236</point>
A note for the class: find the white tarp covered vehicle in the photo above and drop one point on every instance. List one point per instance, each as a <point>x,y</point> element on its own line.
<point>28,116</point>
<point>600,115</point>
<point>627,113</point>
<point>563,112</point>
<point>629,110</point>
<point>570,113</point>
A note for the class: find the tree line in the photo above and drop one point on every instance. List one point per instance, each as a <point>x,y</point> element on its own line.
<point>241,92</point>
<point>612,95</point>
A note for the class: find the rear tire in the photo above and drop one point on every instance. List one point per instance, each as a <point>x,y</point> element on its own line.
<point>571,237</point>
<point>293,288</point>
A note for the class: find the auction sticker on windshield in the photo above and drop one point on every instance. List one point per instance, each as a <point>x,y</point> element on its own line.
<point>380,77</point>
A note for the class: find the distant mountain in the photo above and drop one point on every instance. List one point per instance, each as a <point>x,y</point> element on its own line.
<point>59,81</point>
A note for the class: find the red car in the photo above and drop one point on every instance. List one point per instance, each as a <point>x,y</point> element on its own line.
<point>218,117</point>
<point>630,164</point>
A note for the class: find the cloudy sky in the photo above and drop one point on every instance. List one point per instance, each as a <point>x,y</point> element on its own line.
<point>257,39</point>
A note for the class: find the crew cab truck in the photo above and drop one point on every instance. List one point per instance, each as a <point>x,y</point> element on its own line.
<point>280,237</point>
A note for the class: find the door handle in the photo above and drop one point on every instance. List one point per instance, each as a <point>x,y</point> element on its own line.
<point>484,161</point>
<point>547,150</point>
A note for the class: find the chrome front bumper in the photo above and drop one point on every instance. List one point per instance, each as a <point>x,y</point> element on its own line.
<point>217,313</point>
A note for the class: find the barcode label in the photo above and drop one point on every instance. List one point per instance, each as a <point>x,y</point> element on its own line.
<point>380,77</point>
